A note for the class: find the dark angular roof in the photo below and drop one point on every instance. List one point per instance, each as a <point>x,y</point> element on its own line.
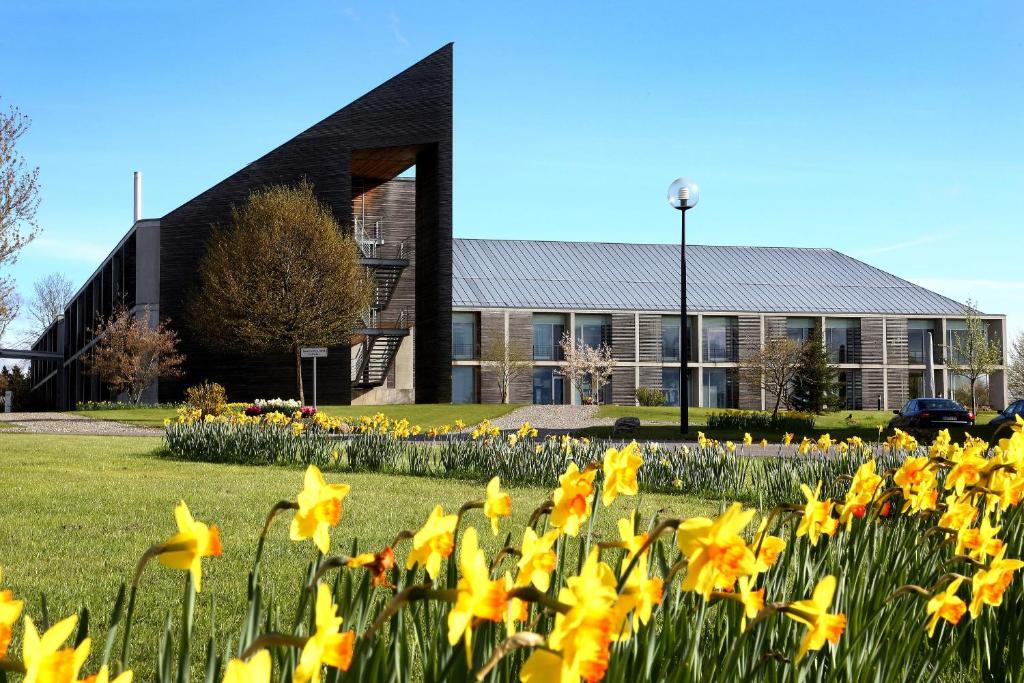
<point>645,277</point>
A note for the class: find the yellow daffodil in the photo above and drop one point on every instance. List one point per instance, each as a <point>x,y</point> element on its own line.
<point>764,443</point>
<point>378,564</point>
<point>822,627</point>
<point>479,597</point>
<point>863,488</point>
<point>10,610</point>
<point>572,499</point>
<point>747,439</point>
<point>805,446</point>
<point>817,518</point>
<point>717,555</point>
<point>328,645</point>
<point>945,605</point>
<point>46,659</point>
<point>752,600</point>
<point>967,472</point>
<point>730,446</point>
<point>787,439</point>
<point>988,585</point>
<point>193,542</point>
<point>584,634</point>
<point>766,548</point>
<point>319,509</point>
<point>825,442</point>
<point>620,471</point>
<point>497,505</point>
<point>537,560</point>
<point>959,513</point>
<point>980,542</point>
<point>256,670</point>
<point>433,542</point>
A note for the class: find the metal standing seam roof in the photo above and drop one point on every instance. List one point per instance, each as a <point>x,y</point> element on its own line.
<point>645,277</point>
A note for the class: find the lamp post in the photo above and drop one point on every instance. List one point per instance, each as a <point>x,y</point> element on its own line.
<point>683,194</point>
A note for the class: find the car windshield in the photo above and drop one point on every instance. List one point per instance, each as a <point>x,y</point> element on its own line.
<point>938,404</point>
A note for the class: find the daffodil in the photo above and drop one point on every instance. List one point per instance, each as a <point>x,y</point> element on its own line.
<point>103,676</point>
<point>537,560</point>
<point>46,659</point>
<point>959,513</point>
<point>989,584</point>
<point>747,439</point>
<point>822,627</point>
<point>497,505</point>
<point>752,600</point>
<point>194,541</point>
<point>945,605</point>
<point>817,518</point>
<point>620,471</point>
<point>433,542</point>
<point>717,555</point>
<point>256,670</point>
<point>787,439</point>
<point>764,443</point>
<point>10,610</point>
<point>967,472</point>
<point>980,542</point>
<point>319,509</point>
<point>863,488</point>
<point>766,548</point>
<point>479,597</point>
<point>572,499</point>
<point>328,645</point>
<point>378,564</point>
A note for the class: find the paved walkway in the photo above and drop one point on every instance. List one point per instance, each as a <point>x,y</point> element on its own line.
<point>553,418</point>
<point>66,423</point>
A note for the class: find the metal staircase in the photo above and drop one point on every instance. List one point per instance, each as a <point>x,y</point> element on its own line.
<point>380,338</point>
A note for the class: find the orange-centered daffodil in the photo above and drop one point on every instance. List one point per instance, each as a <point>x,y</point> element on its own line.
<point>717,555</point>
<point>620,468</point>
<point>328,645</point>
<point>319,509</point>
<point>497,505</point>
<point>572,499</point>
<point>478,596</point>
<point>433,542</point>
<point>822,627</point>
<point>193,542</point>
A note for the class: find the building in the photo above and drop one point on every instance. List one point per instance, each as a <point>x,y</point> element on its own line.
<point>384,165</point>
<point>528,293</point>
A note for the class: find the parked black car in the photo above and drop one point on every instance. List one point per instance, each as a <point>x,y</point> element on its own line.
<point>931,413</point>
<point>1004,421</point>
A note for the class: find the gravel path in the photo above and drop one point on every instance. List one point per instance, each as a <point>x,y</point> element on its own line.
<point>553,417</point>
<point>65,423</point>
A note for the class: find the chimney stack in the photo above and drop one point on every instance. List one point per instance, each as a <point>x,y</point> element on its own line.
<point>138,197</point>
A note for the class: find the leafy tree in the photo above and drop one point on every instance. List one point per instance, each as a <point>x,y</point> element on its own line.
<point>19,200</point>
<point>281,277</point>
<point>773,368</point>
<point>1016,369</point>
<point>133,352</point>
<point>19,383</point>
<point>507,362</point>
<point>972,354</point>
<point>50,297</point>
<point>815,384</point>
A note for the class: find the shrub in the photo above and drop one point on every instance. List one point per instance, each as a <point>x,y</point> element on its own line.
<point>209,398</point>
<point>649,396</point>
<point>285,406</point>
<point>751,420</point>
<point>118,405</point>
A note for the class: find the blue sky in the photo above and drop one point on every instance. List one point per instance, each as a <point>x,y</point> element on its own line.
<point>892,131</point>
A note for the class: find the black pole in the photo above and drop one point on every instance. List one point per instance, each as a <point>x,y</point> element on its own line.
<point>684,337</point>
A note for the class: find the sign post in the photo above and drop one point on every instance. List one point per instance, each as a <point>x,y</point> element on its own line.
<point>314,352</point>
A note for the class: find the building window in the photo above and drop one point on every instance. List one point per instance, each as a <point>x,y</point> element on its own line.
<point>585,394</point>
<point>799,329</point>
<point>720,389</point>
<point>842,339</point>
<point>548,386</point>
<point>464,336</point>
<point>670,385</point>
<point>720,339</point>
<point>593,330</point>
<point>464,384</point>
<point>915,384</point>
<point>548,329</point>
<point>956,333</point>
<point>670,340</point>
<point>917,340</point>
<point>849,390</point>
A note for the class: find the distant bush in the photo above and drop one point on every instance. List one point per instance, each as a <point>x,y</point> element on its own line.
<point>209,398</point>
<point>117,405</point>
<point>750,420</point>
<point>648,396</point>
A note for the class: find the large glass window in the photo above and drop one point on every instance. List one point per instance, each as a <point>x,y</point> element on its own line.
<point>585,393</point>
<point>916,383</point>
<point>670,381</point>
<point>956,333</point>
<point>670,339</point>
<point>593,329</point>
<point>720,389</point>
<point>720,339</point>
<point>842,336</point>
<point>548,386</point>
<point>464,384</point>
<point>917,340</point>
<point>849,389</point>
<point>548,329</point>
<point>464,344</point>
<point>799,329</point>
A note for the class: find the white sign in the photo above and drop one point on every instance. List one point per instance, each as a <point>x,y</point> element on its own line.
<point>314,352</point>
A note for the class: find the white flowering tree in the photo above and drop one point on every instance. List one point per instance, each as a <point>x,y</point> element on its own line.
<point>587,365</point>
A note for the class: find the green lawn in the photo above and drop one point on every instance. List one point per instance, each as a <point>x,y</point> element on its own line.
<point>425,415</point>
<point>661,423</point>
<point>78,512</point>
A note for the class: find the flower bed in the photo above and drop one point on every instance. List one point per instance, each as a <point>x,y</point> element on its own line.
<point>907,575</point>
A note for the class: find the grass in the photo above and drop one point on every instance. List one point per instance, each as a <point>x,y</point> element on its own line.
<point>661,423</point>
<point>426,414</point>
<point>78,511</point>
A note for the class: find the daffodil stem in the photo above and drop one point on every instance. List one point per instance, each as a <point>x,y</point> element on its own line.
<point>531,594</point>
<point>270,640</point>
<point>330,563</point>
<point>278,508</point>
<point>514,642</point>
<point>651,538</point>
<point>12,665</point>
<point>410,594</point>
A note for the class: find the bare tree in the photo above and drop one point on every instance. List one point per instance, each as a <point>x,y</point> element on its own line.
<point>587,365</point>
<point>19,200</point>
<point>1016,369</point>
<point>10,305</point>
<point>507,362</point>
<point>133,352</point>
<point>972,354</point>
<point>283,276</point>
<point>50,297</point>
<point>773,368</point>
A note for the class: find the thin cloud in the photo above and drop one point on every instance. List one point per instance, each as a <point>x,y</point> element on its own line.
<point>965,283</point>
<point>898,246</point>
<point>396,30</point>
